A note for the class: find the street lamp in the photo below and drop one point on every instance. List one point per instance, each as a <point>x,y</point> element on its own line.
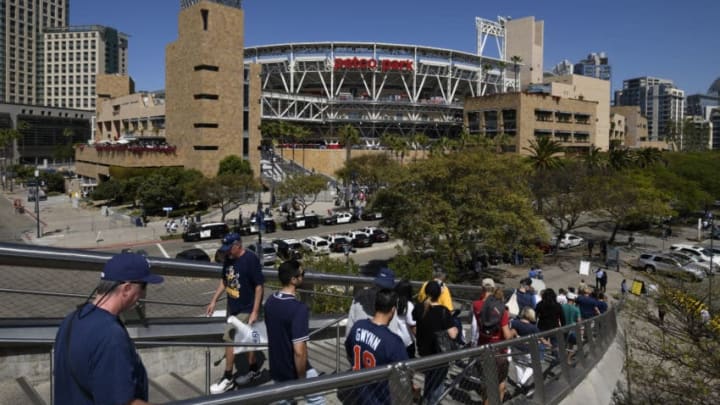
<point>37,200</point>
<point>712,256</point>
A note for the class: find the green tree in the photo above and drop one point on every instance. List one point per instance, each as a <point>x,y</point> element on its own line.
<point>167,187</point>
<point>304,188</point>
<point>695,136</point>
<point>110,189</point>
<point>620,159</point>
<point>672,135</point>
<point>648,157</point>
<point>544,153</point>
<point>226,190</point>
<point>234,164</point>
<point>630,197</point>
<point>454,205</point>
<point>373,171</point>
<point>594,160</point>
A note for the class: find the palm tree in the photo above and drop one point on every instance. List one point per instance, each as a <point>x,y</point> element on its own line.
<point>301,135</point>
<point>421,142</point>
<point>544,154</point>
<point>516,60</point>
<point>502,65</point>
<point>647,157</point>
<point>486,71</point>
<point>594,159</point>
<point>620,159</point>
<point>348,136</point>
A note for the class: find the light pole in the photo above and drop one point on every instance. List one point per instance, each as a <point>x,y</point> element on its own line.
<point>37,200</point>
<point>712,256</point>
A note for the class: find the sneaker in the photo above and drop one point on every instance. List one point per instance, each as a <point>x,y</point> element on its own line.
<point>244,379</point>
<point>224,385</point>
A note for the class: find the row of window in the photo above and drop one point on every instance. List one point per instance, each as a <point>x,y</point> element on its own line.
<point>77,103</point>
<point>57,80</point>
<point>58,45</point>
<point>70,91</point>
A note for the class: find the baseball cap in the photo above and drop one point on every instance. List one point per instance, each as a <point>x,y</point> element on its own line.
<point>385,278</point>
<point>526,281</point>
<point>228,241</point>
<point>571,296</point>
<point>129,267</point>
<point>488,282</point>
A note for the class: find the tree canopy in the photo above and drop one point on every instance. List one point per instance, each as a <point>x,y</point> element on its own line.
<point>303,188</point>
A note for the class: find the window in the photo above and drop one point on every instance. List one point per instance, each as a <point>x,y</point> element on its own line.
<point>205,147</point>
<point>204,96</point>
<point>205,125</point>
<point>205,14</point>
<point>207,67</point>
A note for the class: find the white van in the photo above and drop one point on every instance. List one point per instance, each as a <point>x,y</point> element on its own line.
<point>317,245</point>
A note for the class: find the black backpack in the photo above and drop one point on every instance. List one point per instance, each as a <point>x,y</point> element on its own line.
<point>490,317</point>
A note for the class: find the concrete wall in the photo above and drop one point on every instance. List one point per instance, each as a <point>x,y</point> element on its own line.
<point>111,86</point>
<point>636,125</point>
<point>206,62</point>
<point>524,38</point>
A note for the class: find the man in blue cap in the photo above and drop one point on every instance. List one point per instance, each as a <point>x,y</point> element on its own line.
<point>242,281</point>
<point>95,359</point>
<point>363,304</point>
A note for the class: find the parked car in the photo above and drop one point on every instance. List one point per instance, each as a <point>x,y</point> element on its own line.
<point>213,230</point>
<point>377,235</point>
<point>269,255</point>
<point>301,221</point>
<point>684,257</point>
<point>251,228</point>
<point>568,241</point>
<point>288,249</point>
<point>669,265</point>
<point>194,254</point>
<point>317,245</point>
<point>339,218</point>
<point>704,254</point>
<point>338,242</point>
<point>32,192</point>
<point>359,239</point>
<point>371,216</point>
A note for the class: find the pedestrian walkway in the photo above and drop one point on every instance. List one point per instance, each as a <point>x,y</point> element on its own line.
<point>68,224</point>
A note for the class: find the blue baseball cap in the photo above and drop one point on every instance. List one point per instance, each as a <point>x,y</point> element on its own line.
<point>385,278</point>
<point>129,267</point>
<point>228,241</point>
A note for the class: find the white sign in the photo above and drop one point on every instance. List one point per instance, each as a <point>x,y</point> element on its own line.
<point>584,268</point>
<point>167,209</point>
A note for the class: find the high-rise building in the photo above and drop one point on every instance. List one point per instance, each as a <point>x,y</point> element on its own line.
<point>659,100</point>
<point>563,68</point>
<point>21,26</point>
<point>72,59</point>
<point>595,65</point>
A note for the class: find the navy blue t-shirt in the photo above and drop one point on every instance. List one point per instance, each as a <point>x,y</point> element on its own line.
<point>587,306</point>
<point>240,277</point>
<point>286,320</point>
<point>102,357</point>
<point>369,345</point>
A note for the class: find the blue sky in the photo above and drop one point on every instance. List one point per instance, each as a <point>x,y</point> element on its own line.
<point>671,39</point>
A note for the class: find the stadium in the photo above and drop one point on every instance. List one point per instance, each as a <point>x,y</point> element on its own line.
<point>378,88</point>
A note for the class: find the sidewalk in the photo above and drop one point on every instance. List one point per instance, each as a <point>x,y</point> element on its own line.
<point>64,225</point>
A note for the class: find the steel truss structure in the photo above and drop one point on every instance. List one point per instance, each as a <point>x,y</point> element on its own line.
<point>378,88</point>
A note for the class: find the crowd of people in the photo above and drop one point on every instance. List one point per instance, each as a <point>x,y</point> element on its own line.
<point>385,324</point>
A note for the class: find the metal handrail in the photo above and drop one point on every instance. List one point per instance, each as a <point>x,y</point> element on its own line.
<point>600,332</point>
<point>82,260</point>
<point>72,295</point>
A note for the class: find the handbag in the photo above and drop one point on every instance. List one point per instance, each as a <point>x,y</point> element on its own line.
<point>444,343</point>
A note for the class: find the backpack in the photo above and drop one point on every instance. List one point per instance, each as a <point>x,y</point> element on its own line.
<point>490,317</point>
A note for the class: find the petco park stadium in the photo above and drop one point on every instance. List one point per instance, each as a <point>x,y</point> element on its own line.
<point>376,87</point>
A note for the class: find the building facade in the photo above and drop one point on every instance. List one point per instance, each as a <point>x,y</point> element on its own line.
<point>701,105</point>
<point>42,130</point>
<point>595,65</point>
<point>659,100</point>
<point>590,89</point>
<point>635,129</point>
<point>521,118</point>
<point>72,59</point>
<point>21,63</point>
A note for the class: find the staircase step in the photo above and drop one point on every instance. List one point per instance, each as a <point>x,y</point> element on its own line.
<point>11,392</point>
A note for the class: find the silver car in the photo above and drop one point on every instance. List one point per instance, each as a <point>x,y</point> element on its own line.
<point>269,255</point>
<point>670,265</point>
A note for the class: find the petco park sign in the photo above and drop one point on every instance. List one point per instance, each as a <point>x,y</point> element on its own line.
<point>372,64</point>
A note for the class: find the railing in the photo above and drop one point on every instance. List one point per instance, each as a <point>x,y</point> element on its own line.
<point>554,376</point>
<point>553,379</point>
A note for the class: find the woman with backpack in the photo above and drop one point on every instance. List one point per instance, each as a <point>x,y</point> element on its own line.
<point>432,317</point>
<point>494,326</point>
<point>405,309</point>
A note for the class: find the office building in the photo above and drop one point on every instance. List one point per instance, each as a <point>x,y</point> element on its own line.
<point>659,100</point>
<point>701,105</point>
<point>73,57</point>
<point>22,23</point>
<point>595,65</point>
<point>525,117</point>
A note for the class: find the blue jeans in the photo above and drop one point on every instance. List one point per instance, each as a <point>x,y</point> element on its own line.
<point>434,386</point>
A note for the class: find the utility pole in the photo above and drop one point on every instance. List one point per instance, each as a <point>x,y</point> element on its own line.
<point>37,200</point>
<point>712,256</point>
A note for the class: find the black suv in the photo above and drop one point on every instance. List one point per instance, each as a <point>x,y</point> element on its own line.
<point>288,249</point>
